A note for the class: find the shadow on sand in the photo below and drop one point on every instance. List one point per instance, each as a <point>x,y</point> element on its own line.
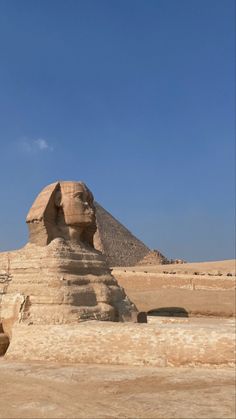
<point>169,312</point>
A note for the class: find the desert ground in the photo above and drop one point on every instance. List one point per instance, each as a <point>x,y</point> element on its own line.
<point>101,391</point>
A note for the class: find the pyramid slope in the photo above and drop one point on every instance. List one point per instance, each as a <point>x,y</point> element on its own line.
<point>117,243</point>
<point>154,258</point>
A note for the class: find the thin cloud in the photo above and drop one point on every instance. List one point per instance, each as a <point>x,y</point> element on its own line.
<point>42,144</point>
<point>38,145</point>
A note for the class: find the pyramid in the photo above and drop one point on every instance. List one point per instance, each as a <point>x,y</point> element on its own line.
<point>154,257</point>
<point>119,246</point>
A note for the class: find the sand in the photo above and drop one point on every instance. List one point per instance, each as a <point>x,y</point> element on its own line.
<point>98,391</point>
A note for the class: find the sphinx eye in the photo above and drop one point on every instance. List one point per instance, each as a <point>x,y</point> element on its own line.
<point>78,196</point>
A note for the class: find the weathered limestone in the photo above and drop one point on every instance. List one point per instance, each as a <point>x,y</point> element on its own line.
<point>62,209</point>
<point>58,277</point>
<point>167,343</point>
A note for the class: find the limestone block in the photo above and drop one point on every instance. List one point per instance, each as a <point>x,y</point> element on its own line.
<point>164,344</point>
<point>11,310</point>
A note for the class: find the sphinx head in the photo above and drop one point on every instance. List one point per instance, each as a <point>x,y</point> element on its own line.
<point>62,209</point>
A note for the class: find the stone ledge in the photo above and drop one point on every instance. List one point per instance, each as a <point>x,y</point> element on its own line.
<point>167,343</point>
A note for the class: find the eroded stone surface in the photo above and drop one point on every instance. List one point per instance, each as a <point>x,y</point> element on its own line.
<point>58,277</point>
<point>167,342</point>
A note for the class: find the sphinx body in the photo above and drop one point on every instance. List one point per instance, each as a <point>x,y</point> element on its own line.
<point>58,277</point>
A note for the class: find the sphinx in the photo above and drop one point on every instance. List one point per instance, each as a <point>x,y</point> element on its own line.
<point>58,277</point>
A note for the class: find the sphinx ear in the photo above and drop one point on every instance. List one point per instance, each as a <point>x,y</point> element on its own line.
<point>42,216</point>
<point>57,198</point>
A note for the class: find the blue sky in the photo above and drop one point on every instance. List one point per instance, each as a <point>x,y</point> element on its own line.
<point>136,98</point>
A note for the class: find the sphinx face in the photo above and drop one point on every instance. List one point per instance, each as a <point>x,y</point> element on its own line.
<point>76,202</point>
<point>62,209</point>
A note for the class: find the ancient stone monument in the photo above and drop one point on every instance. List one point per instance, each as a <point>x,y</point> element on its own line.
<point>154,257</point>
<point>58,277</point>
<point>119,246</point>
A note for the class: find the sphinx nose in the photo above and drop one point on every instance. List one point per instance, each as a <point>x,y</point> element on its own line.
<point>86,204</point>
